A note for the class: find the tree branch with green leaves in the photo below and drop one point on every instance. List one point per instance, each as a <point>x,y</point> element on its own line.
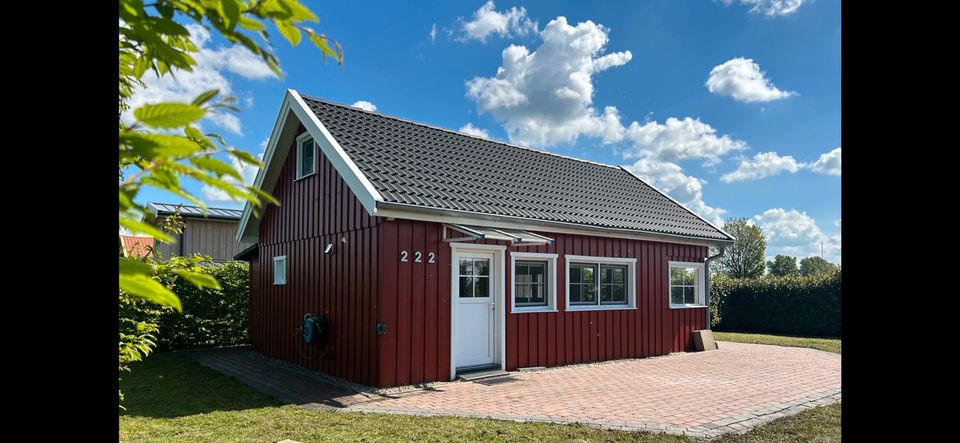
<point>163,145</point>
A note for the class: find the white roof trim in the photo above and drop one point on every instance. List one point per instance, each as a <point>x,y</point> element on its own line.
<point>368,195</point>
<point>675,201</point>
<point>358,183</point>
<point>461,218</point>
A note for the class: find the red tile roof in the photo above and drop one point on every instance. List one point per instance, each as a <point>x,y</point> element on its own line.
<point>136,246</point>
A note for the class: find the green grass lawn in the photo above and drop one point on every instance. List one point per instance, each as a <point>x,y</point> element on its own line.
<point>170,398</point>
<point>823,344</point>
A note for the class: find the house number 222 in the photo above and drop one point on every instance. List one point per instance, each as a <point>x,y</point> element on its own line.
<point>417,257</point>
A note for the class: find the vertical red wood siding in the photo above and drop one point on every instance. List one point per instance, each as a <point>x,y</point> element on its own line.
<point>318,210</point>
<point>414,300</point>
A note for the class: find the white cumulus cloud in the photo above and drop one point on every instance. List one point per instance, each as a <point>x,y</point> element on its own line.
<point>795,233</point>
<point>365,105</point>
<point>742,79</point>
<point>433,33</point>
<point>770,8</point>
<point>828,164</point>
<point>469,129</point>
<point>677,139</point>
<point>545,97</point>
<point>762,165</point>
<point>688,190</point>
<point>487,21</point>
<point>184,86</point>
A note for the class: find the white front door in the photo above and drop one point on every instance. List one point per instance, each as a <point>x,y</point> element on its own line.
<point>475,292</point>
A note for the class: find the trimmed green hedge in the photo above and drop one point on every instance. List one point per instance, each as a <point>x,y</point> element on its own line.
<point>211,317</point>
<point>796,305</point>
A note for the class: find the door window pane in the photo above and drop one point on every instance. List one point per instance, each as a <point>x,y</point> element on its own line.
<point>466,287</point>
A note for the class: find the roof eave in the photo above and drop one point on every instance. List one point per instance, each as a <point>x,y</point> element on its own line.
<point>247,253</point>
<point>730,239</point>
<point>386,209</point>
<point>358,183</point>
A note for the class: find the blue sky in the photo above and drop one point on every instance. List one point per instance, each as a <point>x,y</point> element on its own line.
<point>732,106</point>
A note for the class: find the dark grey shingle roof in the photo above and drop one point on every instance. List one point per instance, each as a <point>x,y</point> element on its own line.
<point>195,211</point>
<point>415,164</point>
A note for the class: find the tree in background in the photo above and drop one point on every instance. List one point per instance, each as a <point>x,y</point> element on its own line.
<point>745,258</point>
<point>783,265</point>
<point>815,265</point>
<point>164,144</point>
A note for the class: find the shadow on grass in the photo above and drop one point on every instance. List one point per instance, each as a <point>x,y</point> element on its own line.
<point>168,385</point>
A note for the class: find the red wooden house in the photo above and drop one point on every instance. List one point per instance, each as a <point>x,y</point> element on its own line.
<point>430,252</point>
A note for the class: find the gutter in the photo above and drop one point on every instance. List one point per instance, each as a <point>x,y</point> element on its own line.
<point>706,280</point>
<point>532,223</point>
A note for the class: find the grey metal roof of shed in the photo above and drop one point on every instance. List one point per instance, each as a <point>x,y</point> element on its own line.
<point>195,211</point>
<point>415,164</point>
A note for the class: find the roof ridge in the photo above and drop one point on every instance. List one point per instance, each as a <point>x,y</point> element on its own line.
<point>329,102</point>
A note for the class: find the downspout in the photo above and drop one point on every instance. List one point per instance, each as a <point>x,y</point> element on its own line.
<point>706,279</point>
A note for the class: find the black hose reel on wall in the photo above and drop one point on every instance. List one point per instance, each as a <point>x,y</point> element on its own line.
<point>314,333</point>
<point>314,329</point>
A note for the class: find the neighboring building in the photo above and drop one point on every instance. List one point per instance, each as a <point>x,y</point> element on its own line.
<point>135,245</point>
<point>212,234</point>
<point>430,252</point>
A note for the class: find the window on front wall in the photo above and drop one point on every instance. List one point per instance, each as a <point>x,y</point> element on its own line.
<point>534,281</point>
<point>530,284</point>
<point>306,156</point>
<point>600,282</point>
<point>280,270</point>
<point>686,284</point>
<point>613,284</point>
<point>583,284</point>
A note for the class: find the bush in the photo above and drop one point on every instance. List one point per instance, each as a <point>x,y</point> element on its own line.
<point>210,317</point>
<point>797,305</point>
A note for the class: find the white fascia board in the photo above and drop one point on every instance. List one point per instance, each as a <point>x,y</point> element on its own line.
<point>262,172</point>
<point>358,183</point>
<point>347,169</point>
<point>535,225</point>
<point>624,168</point>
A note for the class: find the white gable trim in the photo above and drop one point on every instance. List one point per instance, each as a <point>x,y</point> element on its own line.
<point>358,183</point>
<point>675,201</point>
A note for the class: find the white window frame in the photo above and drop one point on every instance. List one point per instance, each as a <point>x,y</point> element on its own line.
<point>280,278</point>
<point>699,294</point>
<point>551,260</point>
<point>300,141</point>
<point>631,263</point>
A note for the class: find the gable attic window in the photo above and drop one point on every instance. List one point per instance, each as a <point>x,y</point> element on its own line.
<point>306,156</point>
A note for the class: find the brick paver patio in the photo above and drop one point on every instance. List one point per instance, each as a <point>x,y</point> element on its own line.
<point>701,394</point>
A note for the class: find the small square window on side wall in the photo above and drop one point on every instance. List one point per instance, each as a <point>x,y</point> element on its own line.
<point>280,270</point>
<point>686,285</point>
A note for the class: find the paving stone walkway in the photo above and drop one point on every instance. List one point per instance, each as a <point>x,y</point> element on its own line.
<point>700,394</point>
